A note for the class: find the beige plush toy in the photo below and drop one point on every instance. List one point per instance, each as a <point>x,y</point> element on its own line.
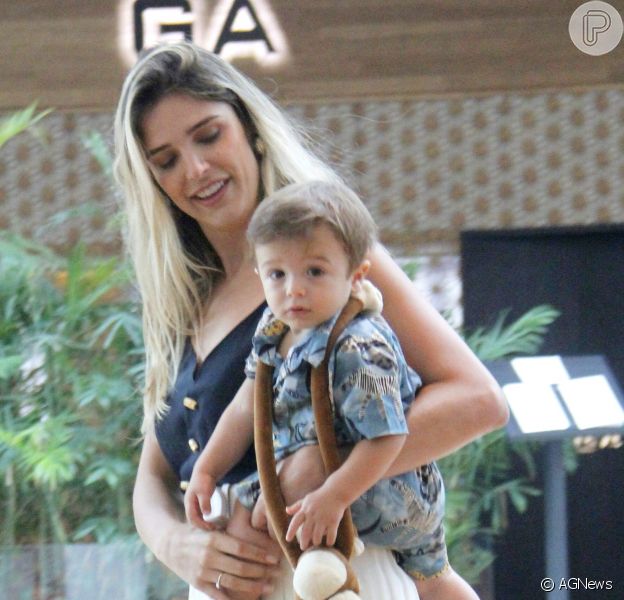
<point>320,573</point>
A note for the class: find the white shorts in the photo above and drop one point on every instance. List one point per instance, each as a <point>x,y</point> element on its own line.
<point>377,571</point>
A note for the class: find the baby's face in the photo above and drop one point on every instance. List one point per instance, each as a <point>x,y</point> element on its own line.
<point>305,280</point>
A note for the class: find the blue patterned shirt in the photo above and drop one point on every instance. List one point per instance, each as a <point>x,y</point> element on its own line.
<point>372,385</point>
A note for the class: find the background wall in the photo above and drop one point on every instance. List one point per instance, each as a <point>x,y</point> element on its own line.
<point>444,116</point>
<point>579,270</point>
<point>427,168</point>
<point>67,53</point>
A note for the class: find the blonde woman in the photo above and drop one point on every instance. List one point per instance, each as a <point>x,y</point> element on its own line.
<point>197,147</point>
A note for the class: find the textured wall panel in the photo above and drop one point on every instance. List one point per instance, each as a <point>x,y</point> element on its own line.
<point>426,168</point>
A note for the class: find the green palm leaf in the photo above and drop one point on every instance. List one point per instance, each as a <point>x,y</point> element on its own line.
<point>21,121</point>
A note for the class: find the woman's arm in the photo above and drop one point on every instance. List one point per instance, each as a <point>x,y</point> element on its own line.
<point>459,400</point>
<point>196,556</point>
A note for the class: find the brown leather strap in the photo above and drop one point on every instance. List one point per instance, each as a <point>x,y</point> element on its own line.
<point>267,468</point>
<point>324,420</point>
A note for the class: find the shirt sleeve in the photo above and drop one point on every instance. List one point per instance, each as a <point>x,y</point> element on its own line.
<point>248,490</point>
<point>258,340</point>
<point>251,364</point>
<point>367,386</point>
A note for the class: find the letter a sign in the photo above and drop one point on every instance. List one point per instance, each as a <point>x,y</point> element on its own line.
<point>247,28</point>
<point>230,33</point>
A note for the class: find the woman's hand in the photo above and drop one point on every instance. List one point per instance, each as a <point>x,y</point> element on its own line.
<point>237,583</point>
<point>243,568</point>
<point>245,559</point>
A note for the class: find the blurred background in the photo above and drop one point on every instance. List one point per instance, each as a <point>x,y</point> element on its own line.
<point>448,117</point>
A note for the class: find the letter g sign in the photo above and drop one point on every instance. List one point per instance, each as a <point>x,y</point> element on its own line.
<point>156,20</point>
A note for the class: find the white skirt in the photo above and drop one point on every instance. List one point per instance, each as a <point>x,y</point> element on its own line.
<point>379,576</point>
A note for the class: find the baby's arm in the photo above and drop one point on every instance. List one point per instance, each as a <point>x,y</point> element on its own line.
<point>319,512</point>
<point>368,385</point>
<point>226,446</point>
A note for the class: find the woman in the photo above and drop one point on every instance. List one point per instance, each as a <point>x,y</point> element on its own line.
<point>197,146</point>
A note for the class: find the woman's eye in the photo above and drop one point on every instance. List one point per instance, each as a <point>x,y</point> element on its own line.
<point>168,164</point>
<point>208,137</point>
<point>165,164</point>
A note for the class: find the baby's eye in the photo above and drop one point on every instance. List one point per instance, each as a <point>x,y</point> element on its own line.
<point>315,271</point>
<point>276,274</point>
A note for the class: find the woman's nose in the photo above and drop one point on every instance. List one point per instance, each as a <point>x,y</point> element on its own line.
<point>195,165</point>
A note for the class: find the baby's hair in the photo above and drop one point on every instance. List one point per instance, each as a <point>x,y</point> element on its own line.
<point>296,209</point>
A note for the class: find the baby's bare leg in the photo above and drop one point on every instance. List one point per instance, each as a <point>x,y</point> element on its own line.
<point>299,474</point>
<point>447,585</point>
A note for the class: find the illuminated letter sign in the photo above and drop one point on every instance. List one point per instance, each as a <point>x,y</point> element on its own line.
<point>236,31</point>
<point>231,28</point>
<point>158,20</point>
<point>246,29</point>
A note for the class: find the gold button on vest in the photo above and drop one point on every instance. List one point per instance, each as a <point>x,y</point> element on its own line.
<point>190,403</point>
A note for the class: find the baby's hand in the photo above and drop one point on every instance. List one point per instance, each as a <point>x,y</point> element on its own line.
<point>318,515</point>
<point>260,519</point>
<point>197,499</point>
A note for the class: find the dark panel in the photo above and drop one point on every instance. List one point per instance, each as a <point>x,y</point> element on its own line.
<point>581,272</point>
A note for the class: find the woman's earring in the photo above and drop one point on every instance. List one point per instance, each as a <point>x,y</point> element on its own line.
<point>259,146</point>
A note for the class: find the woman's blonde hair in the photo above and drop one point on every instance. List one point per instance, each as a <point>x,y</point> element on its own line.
<point>175,265</point>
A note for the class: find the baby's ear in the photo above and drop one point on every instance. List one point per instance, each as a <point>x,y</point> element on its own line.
<point>360,272</point>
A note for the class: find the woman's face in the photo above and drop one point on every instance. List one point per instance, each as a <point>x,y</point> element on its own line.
<point>200,156</point>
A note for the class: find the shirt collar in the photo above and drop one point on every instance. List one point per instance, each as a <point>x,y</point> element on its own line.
<point>311,348</point>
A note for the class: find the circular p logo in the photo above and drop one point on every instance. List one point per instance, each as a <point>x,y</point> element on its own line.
<point>596,28</point>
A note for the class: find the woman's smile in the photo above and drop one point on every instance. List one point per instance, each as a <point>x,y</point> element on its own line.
<point>211,194</point>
